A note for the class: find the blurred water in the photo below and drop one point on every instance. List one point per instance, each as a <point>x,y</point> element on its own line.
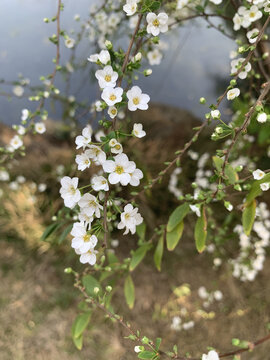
<point>195,57</point>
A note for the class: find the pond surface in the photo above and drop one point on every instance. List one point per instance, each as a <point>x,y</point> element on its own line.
<point>195,65</point>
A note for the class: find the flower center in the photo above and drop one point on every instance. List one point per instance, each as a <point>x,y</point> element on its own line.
<point>86,238</point>
<point>117,147</point>
<point>113,111</point>
<point>127,216</point>
<point>136,101</point>
<point>72,189</point>
<point>92,203</point>
<point>156,22</point>
<point>104,182</point>
<point>252,14</point>
<point>108,78</point>
<point>119,169</point>
<point>112,97</point>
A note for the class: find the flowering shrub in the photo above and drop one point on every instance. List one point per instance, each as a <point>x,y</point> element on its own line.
<point>224,199</point>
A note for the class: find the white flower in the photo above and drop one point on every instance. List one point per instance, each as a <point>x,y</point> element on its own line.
<point>83,161</point>
<point>99,183</point>
<point>196,209</point>
<point>40,127</point>
<point>212,355</point>
<point>84,139</point>
<point>237,20</point>
<point>138,130</point>
<point>156,23</point>
<point>93,58</point>
<point>104,57</point>
<point>236,65</point>
<point>252,35</point>
<point>111,96</point>
<point>264,186</point>
<point>253,14</point>
<point>4,175</point>
<point>216,2</point>
<point>119,169</point>
<point>112,111</point>
<point>69,42</point>
<point>138,349</point>
<point>106,77</point>
<point>82,240</point>
<point>136,99</point>
<point>21,130</point>
<point>89,257</point>
<point>258,174</point>
<point>16,142</point>
<point>181,4</point>
<point>69,191</point>
<point>117,148</point>
<point>218,295</point>
<point>215,114</point>
<point>154,57</point>
<point>262,117</point>
<point>86,219</point>
<point>130,7</point>
<point>176,323</point>
<point>136,176</point>
<point>42,187</point>
<point>90,205</point>
<point>96,154</point>
<point>130,218</point>
<point>25,114</point>
<point>18,90</point>
<point>233,93</point>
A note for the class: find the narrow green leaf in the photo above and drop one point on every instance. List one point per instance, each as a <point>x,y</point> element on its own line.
<point>146,355</point>
<point>65,233</point>
<point>158,342</point>
<point>140,230</point>
<point>49,230</point>
<point>89,282</point>
<point>129,290</point>
<point>78,342</point>
<point>177,216</point>
<point>200,232</point>
<point>80,324</point>
<point>138,256</point>
<point>248,217</point>
<point>174,236</point>
<point>159,252</point>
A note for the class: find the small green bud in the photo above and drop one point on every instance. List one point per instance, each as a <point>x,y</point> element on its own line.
<point>202,100</point>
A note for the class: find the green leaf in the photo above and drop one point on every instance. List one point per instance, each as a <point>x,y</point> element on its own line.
<point>146,354</point>
<point>200,232</point>
<point>174,236</point>
<point>177,216</point>
<point>140,230</point>
<point>78,342</point>
<point>80,324</point>
<point>129,290</point>
<point>138,256</point>
<point>155,6</point>
<point>65,233</point>
<point>158,342</point>
<point>255,188</point>
<point>89,282</point>
<point>229,171</point>
<point>248,217</point>
<point>159,252</point>
<point>49,230</point>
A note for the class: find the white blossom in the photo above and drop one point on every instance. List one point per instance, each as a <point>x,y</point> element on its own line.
<point>154,57</point>
<point>106,77</point>
<point>262,117</point>
<point>25,114</point>
<point>84,139</point>
<point>40,127</point>
<point>136,99</point>
<point>215,114</point>
<point>138,130</point>
<point>16,142</point>
<point>236,65</point>
<point>112,111</point>
<point>69,191</point>
<point>119,169</point>
<point>136,176</point>
<point>82,240</point>
<point>264,186</point>
<point>196,209</point>
<point>258,174</point>
<point>156,23</point>
<point>212,355</point>
<point>112,95</point>
<point>130,218</point>
<point>233,93</point>
<point>90,205</point>
<point>252,35</point>
<point>83,161</point>
<point>99,183</point>
<point>96,154</point>
<point>69,42</point>
<point>130,7</point>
